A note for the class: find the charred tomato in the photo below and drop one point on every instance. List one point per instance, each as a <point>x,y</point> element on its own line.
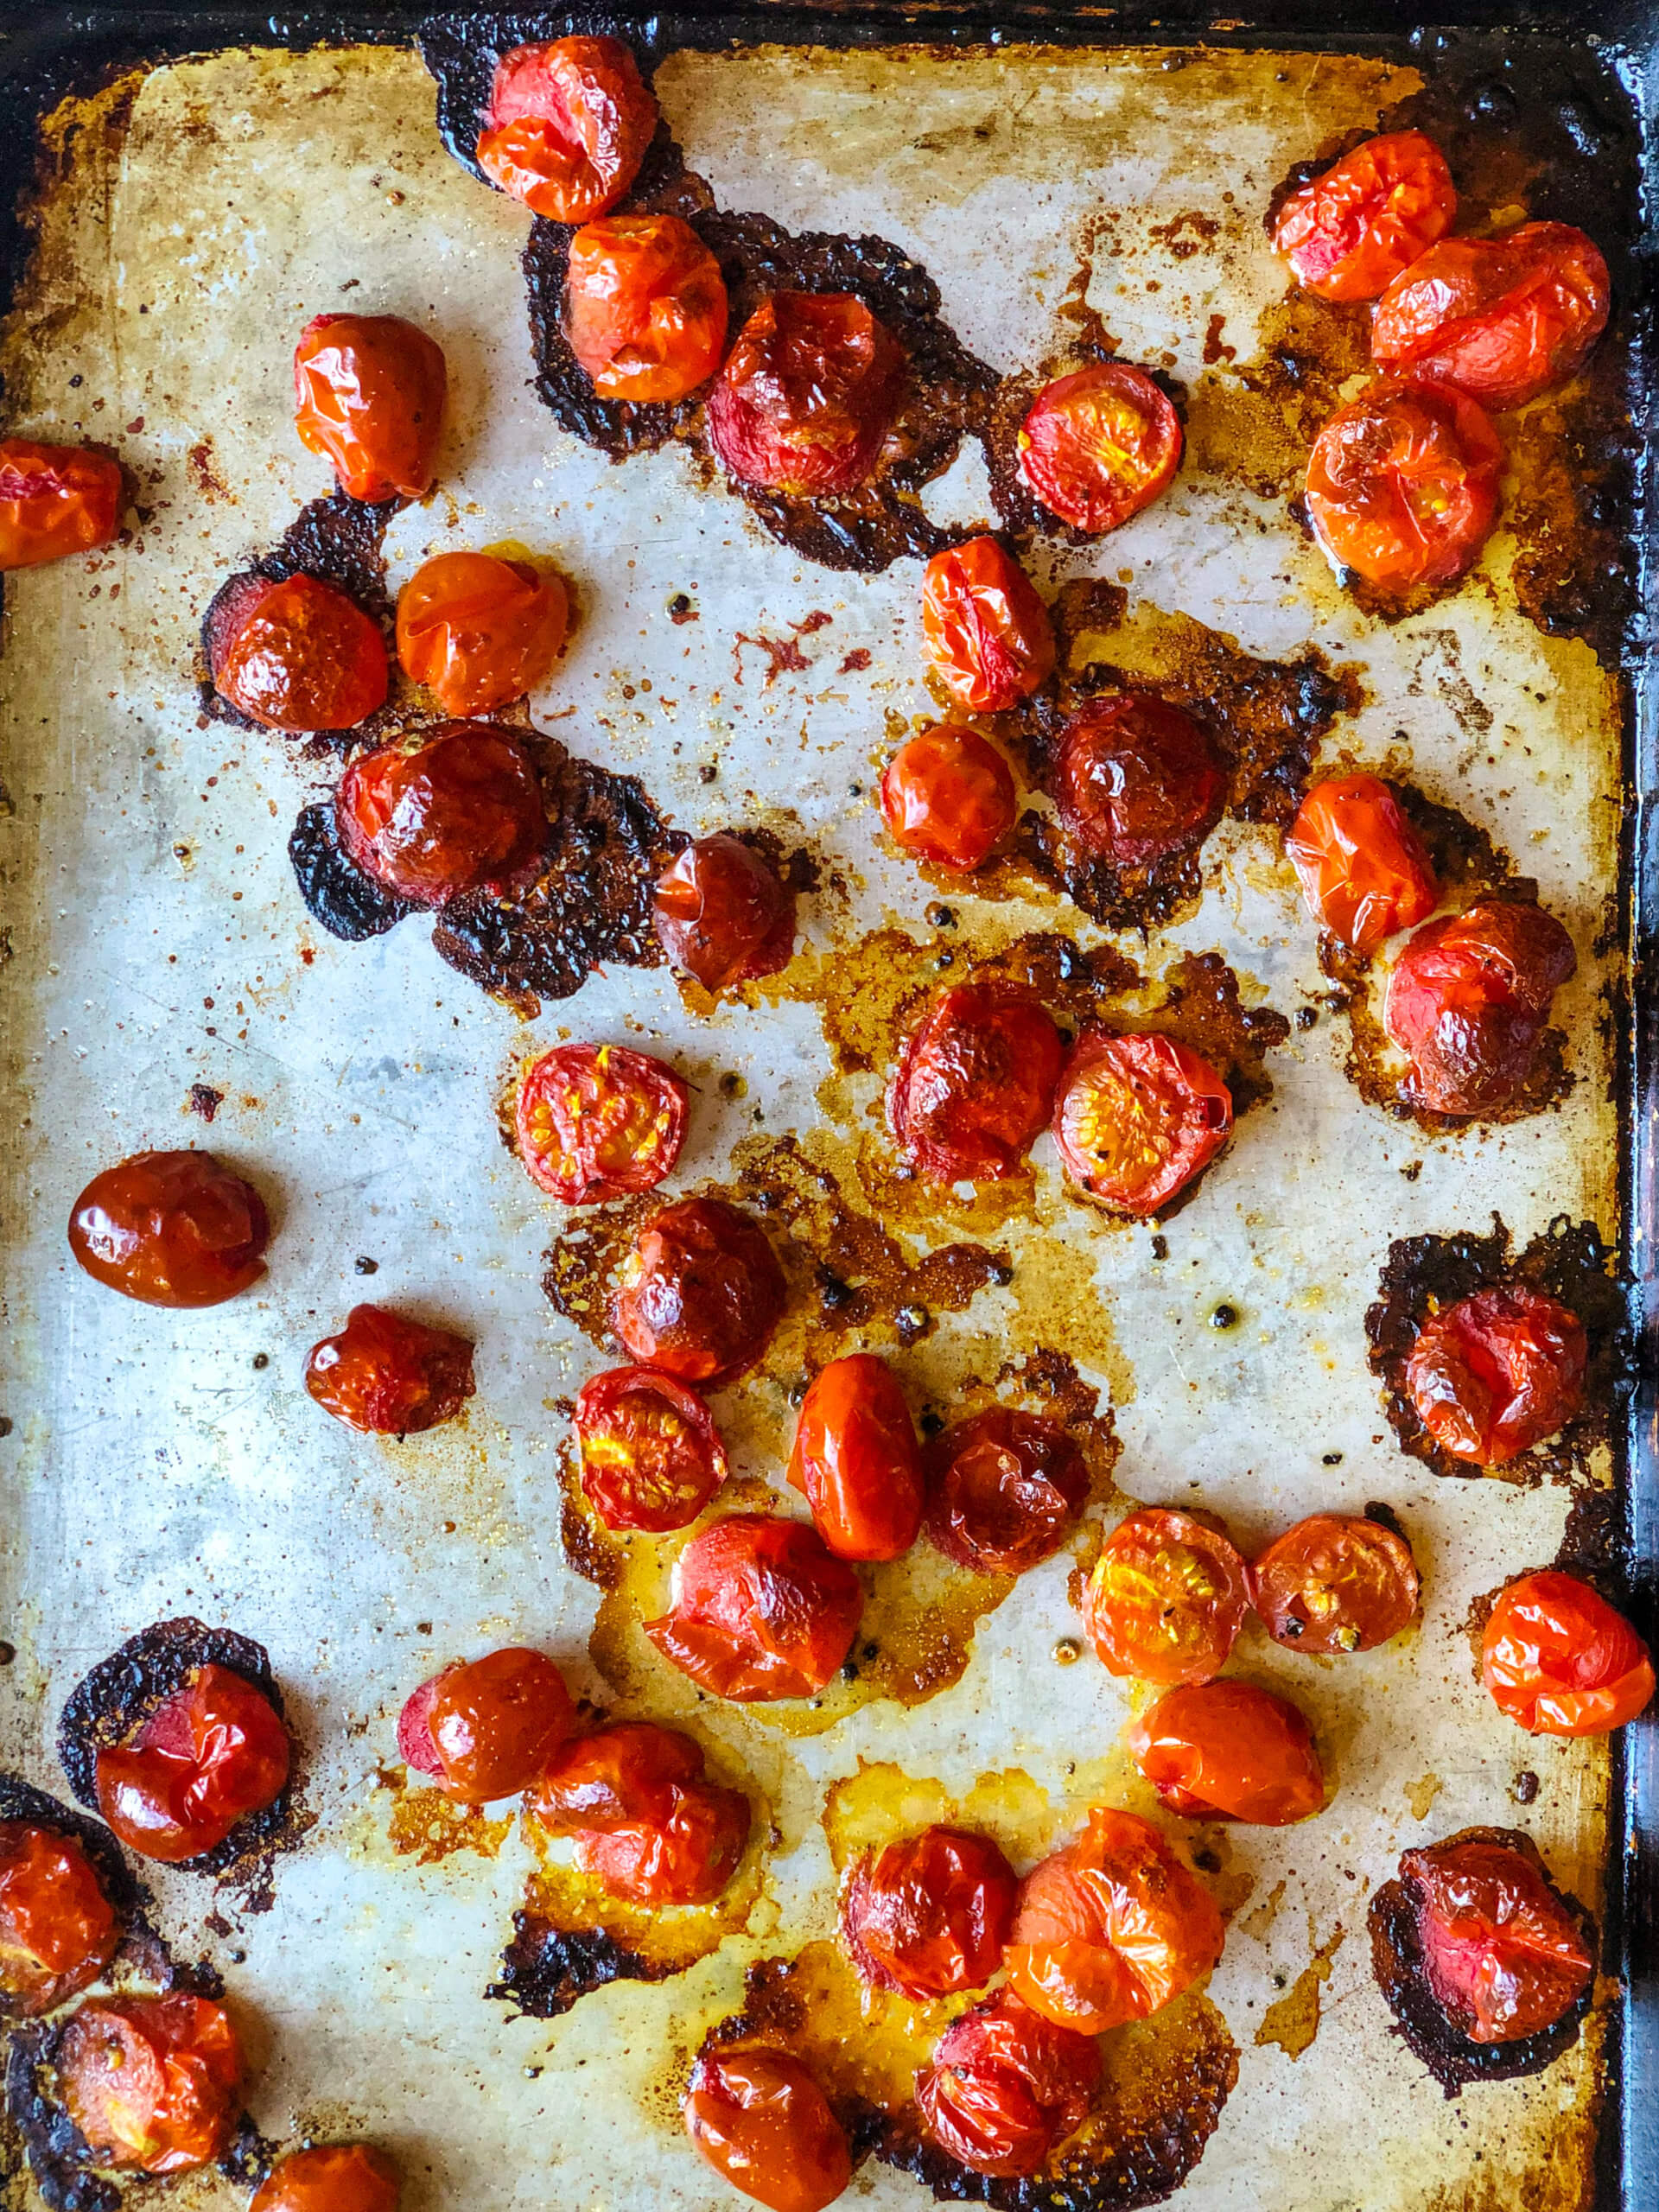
<point>388,1376</point>
<point>1402,485</point>
<point>368,395</point>
<point>598,1121</point>
<point>458,809</point>
<point>478,630</point>
<point>977,1083</point>
<point>485,1728</point>
<point>1226,1750</point>
<point>1558,1659</point>
<point>644,306</point>
<point>929,1915</point>
<point>648,1824</point>
<point>760,1609</point>
<point>1137,1118</point>
<point>1502,1954</point>
<point>1469,1001</point>
<point>807,396</point>
<point>1363,869</point>
<point>1166,1598</point>
<point>58,1930</point>
<point>567,127</point>
<point>1351,230</point>
<point>652,1457</point>
<point>331,2177</point>
<point>1099,445</point>
<point>209,1755</point>
<point>296,655</point>
<point>1496,1372</point>
<point>55,500</point>
<point>762,2122</point>
<point>986,634</point>
<point>1335,1583</point>
<point>152,2082</point>
<point>1136,781</point>
<point>700,1293</point>
<point>1004,1489</point>
<point>947,796</point>
<point>856,1461</point>
<point>171,1228</point>
<point>721,914</point>
<point>1005,2087</point>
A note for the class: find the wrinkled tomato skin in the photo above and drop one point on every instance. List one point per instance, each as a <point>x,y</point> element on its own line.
<point>1351,230</point>
<point>1335,1583</point>
<point>647,1825</point>
<point>929,1916</point>
<point>1225,1750</point>
<point>1402,485</point>
<point>700,1293</point>
<point>1501,319</point>
<point>1166,1598</point>
<point>652,1457</point>
<point>567,127</point>
<point>331,2177</point>
<point>171,1228</point>
<point>459,811</point>
<point>644,308</point>
<point>386,1374</point>
<point>975,1086</point>
<point>1469,1001</point>
<point>1137,1118</point>
<point>298,655</point>
<point>209,1755</point>
<point>856,1460</point>
<point>807,396</point>
<point>55,501</point>
<point>478,630</point>
<point>760,1609</point>
<point>1364,870</point>
<point>1005,2087</point>
<point>721,914</point>
<point>368,395</point>
<point>986,634</point>
<point>1100,445</point>
<point>1496,1373</point>
<point>764,2125</point>
<point>598,1121</point>
<point>1136,781</point>
<point>947,796</point>
<point>1560,1661</point>
<point>152,2082</point>
<point>1004,1489</point>
<point>1501,1954</point>
<point>58,1930</point>
<point>485,1728</point>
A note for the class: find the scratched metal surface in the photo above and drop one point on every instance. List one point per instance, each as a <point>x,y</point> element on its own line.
<point>156,940</point>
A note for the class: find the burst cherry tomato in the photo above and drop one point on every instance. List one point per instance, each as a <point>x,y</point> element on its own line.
<point>458,809</point>
<point>567,127</point>
<point>331,2177</point>
<point>700,1293</point>
<point>485,1728</point>
<point>299,655</point>
<point>1496,1373</point>
<point>721,914</point>
<point>856,1461</point>
<point>764,2125</point>
<point>807,396</point>
<point>1501,1954</point>
<point>58,1930</point>
<point>1137,1118</point>
<point>1136,781</point>
<point>652,1457</point>
<point>1350,232</point>
<point>1402,484</point>
<point>1364,870</point>
<point>205,1757</point>
<point>55,500</point>
<point>929,1915</point>
<point>647,1824</point>
<point>987,635</point>
<point>478,630</point>
<point>977,1083</point>
<point>947,796</point>
<point>1469,1002</point>
<point>1225,1750</point>
<point>597,1121</point>
<point>1004,1489</point>
<point>761,1609</point>
<point>1559,1661</point>
<point>152,2082</point>
<point>389,1375</point>
<point>1005,2087</point>
<point>368,395</point>
<point>1099,445</point>
<point>171,1228</point>
<point>1335,1583</point>
<point>1166,1599</point>
<point>1501,319</point>
<point>644,306</point>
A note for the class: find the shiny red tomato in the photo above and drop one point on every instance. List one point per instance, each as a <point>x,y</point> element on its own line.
<point>760,1609</point>
<point>478,630</point>
<point>1501,1954</point>
<point>721,913</point>
<point>299,655</point>
<point>567,127</point>
<point>1226,1750</point>
<point>1496,1372</point>
<point>1099,445</point>
<point>171,1228</point>
<point>1350,231</point>
<point>1004,1490</point>
<point>652,1457</point>
<point>807,396</point>
<point>700,1293</point>
<point>977,1083</point>
<point>947,796</point>
<point>152,2082</point>
<point>1335,1583</point>
<point>1166,1599</point>
<point>1559,1661</point>
<point>764,2125</point>
<point>644,306</point>
<point>986,635</point>
<point>331,2177</point>
<point>1364,872</point>
<point>206,1756</point>
<point>458,809</point>
<point>1469,1001</point>
<point>1501,319</point>
<point>1402,484</point>
<point>856,1461</point>
<point>368,395</point>
<point>929,1915</point>
<point>1006,2087</point>
<point>1137,1118</point>
<point>388,1376</point>
<point>55,500</point>
<point>648,1825</point>
<point>1136,781</point>
<point>58,1930</point>
<point>597,1121</point>
<point>485,1728</point>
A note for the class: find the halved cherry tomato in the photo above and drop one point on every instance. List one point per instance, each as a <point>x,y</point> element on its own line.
<point>1166,1599</point>
<point>597,1121</point>
<point>1364,872</point>
<point>700,1293</point>
<point>947,796</point>
<point>459,808</point>
<point>644,306</point>
<point>206,1756</point>
<point>1226,1750</point>
<point>1335,1583</point>
<point>986,634</point>
<point>652,1457</point>
<point>721,914</point>
<point>55,500</point>
<point>58,1930</point>
<point>929,1915</point>
<point>299,655</point>
<point>478,630</point>
<point>368,395</point>
<point>764,2125</point>
<point>171,1228</point>
<point>1559,1661</point>
<point>760,1609</point>
<point>1004,1489</point>
<point>1005,2087</point>
<point>977,1083</point>
<point>1496,1372</point>
<point>1137,1118</point>
<point>1402,484</point>
<point>808,394</point>
<point>1501,319</point>
<point>331,2177</point>
<point>386,1374</point>
<point>1469,1001</point>
<point>1136,781</point>
<point>485,1728</point>
<point>1099,445</point>
<point>567,127</point>
<point>1501,1954</point>
<point>647,1825</point>
<point>856,1461</point>
<point>152,2082</point>
<point>1348,232</point>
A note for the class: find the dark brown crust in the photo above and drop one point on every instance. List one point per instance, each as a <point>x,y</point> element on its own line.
<point>545,1968</point>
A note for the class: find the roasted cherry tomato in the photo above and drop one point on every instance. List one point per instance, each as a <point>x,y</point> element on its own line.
<point>458,809</point>
<point>1497,1372</point>
<point>1503,319</point>
<point>1005,2087</point>
<point>652,1457</point>
<point>1348,232</point>
<point>368,395</point>
<point>986,634</point>
<point>1137,1118</point>
<point>700,1293</point>
<point>1559,1661</point>
<point>388,1376</point>
<point>856,1461</point>
<point>1335,1583</point>
<point>1402,484</point>
<point>597,1121</point>
<point>1226,1750</point>
<point>975,1086</point>
<point>331,2177</point>
<point>929,1915</point>
<point>1469,1002</point>
<point>485,1728</point>
<point>58,1930</point>
<point>648,1825</point>
<point>1136,781</point>
<point>761,1609</point>
<point>206,1756</point>
<point>1166,1599</point>
<point>299,655</point>
<point>171,1228</point>
<point>644,306</point>
<point>1004,1489</point>
<point>478,630</point>
<point>807,396</point>
<point>567,127</point>
<point>55,500</point>
<point>152,2082</point>
<point>1099,445</point>
<point>764,2125</point>
<point>947,796</point>
<point>721,914</point>
<point>1365,873</point>
<point>1501,1954</point>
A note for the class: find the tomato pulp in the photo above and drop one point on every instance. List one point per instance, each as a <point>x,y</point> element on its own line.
<point>1166,1598</point>
<point>1137,1118</point>
<point>1559,1659</point>
<point>1497,1372</point>
<point>598,1121</point>
<point>208,1756</point>
<point>485,1728</point>
<point>171,1228</point>
<point>1351,230</point>
<point>1335,1583</point>
<point>1005,1488</point>
<point>152,2082</point>
<point>478,630</point>
<point>760,1609</point>
<point>700,1293</point>
<point>652,1457</point>
<point>567,126</point>
<point>1099,445</point>
<point>1363,869</point>
<point>58,1930</point>
<point>388,1376</point>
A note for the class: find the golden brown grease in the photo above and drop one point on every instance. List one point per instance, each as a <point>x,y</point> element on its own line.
<point>428,1826</point>
<point>1292,2020</point>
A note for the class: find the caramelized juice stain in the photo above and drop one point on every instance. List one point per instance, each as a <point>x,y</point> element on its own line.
<point>428,1826</point>
<point>882,1803</point>
<point>1254,422</point>
<point>1292,2020</point>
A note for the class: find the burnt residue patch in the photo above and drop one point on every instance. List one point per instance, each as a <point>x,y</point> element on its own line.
<point>545,1968</point>
<point>336,892</point>
<point>204,1101</point>
<point>583,1263</point>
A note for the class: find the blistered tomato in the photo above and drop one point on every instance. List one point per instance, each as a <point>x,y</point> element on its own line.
<point>1402,484</point>
<point>55,500</point>
<point>597,1121</point>
<point>808,394</point>
<point>652,1457</point>
<point>1559,1661</point>
<point>856,1461</point>
<point>478,630</point>
<point>58,1930</point>
<point>1227,1751</point>
<point>1136,781</point>
<point>171,1228</point>
<point>567,127</point>
<point>1496,1372</point>
<point>721,913</point>
<point>458,809</point>
<point>1469,1001</point>
<point>764,2125</point>
<point>1166,1599</point>
<point>644,306</point>
<point>986,634</point>
<point>977,1083</point>
<point>299,655</point>
<point>1335,1583</point>
<point>947,796</point>
<point>485,1728</point>
<point>1005,2087</point>
<point>760,1609</point>
<point>1502,1954</point>
<point>389,1375</point>
<point>647,1825</point>
<point>209,1755</point>
<point>1364,870</point>
<point>1137,1118</point>
<point>331,2177</point>
<point>1099,445</point>
<point>152,2082</point>
<point>368,395</point>
<point>1004,1490</point>
<point>700,1293</point>
<point>929,1915</point>
<point>1348,232</point>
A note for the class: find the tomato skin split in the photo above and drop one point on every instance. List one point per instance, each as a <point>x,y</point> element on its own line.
<point>152,2082</point>
<point>1501,1954</point>
<point>808,394</point>
<point>759,1609</point>
<point>1166,1598</point>
<point>386,1374</point>
<point>986,635</point>
<point>208,1756</point>
<point>1364,870</point>
<point>55,501</point>
<point>1496,1372</point>
<point>1402,485</point>
<point>1334,1583</point>
<point>647,1824</point>
<point>1005,1489</point>
<point>478,632</point>
<point>1099,445</point>
<point>644,308</point>
<point>1006,2087</point>
<point>929,1915</point>
<point>1138,1118</point>
<point>1351,230</point>
<point>568,125</point>
<point>652,1457</point>
<point>58,1930</point>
